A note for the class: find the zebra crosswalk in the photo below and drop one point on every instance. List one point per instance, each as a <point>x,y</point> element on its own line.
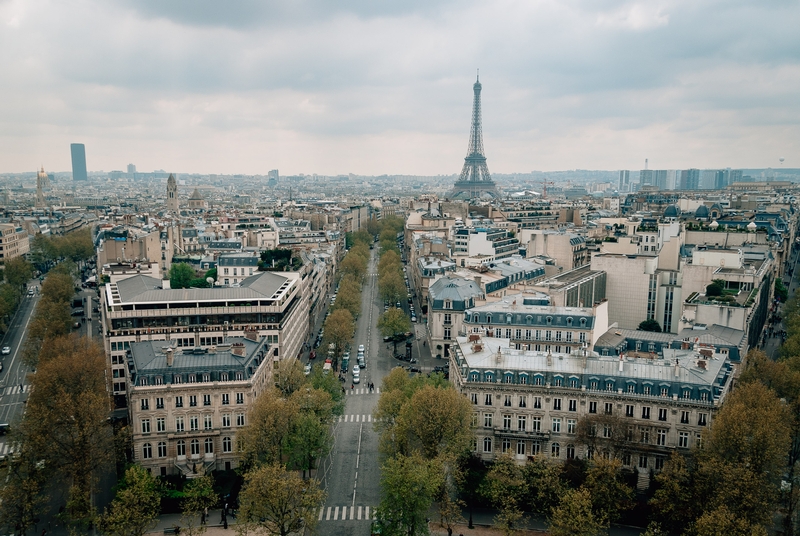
<point>343,513</point>
<point>355,418</point>
<point>6,449</point>
<point>14,389</point>
<point>362,391</point>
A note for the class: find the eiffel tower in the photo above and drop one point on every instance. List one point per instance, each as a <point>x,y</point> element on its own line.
<point>475,180</point>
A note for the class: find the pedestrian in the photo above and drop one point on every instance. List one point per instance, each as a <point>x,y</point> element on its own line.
<point>352,386</point>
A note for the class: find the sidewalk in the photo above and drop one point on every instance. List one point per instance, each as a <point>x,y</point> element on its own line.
<point>214,523</point>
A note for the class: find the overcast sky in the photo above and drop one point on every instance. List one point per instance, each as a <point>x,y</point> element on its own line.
<point>385,86</point>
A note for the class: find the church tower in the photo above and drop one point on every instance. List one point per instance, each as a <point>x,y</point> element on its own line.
<point>172,194</point>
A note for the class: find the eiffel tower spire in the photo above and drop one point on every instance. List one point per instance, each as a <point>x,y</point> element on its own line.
<point>475,179</point>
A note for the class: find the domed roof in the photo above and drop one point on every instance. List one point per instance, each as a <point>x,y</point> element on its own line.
<point>716,206</point>
<point>701,212</point>
<point>752,226</point>
<point>672,211</point>
<point>196,195</point>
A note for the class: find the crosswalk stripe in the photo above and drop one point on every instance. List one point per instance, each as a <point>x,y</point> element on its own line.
<point>366,512</point>
<point>359,512</point>
<point>321,511</point>
<point>351,511</point>
<point>336,513</point>
<point>328,517</point>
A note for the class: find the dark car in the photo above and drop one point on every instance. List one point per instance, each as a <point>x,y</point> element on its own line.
<point>413,369</point>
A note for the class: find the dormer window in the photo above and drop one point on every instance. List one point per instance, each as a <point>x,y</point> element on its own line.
<point>448,304</point>
<point>549,320</point>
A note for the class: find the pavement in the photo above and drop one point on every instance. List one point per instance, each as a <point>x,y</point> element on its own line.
<point>771,345</point>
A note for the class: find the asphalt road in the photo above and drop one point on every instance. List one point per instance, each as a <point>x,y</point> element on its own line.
<point>13,379</point>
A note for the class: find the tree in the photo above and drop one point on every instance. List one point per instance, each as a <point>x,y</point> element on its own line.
<point>650,325</point>
<point>392,323</point>
<point>330,384</point>
<point>545,485</point>
<point>310,439</point>
<point>266,435</point>
<point>603,432</point>
<point>574,516</point>
<point>22,497</point>
<point>339,330</point>
<point>354,266</point>
<point>17,272</point>
<point>408,485</point>
<point>67,419</point>
<point>58,287</point>
<point>349,296</point>
<point>279,501</point>
<point>672,501</point>
<point>505,488</point>
<point>288,375</point>
<point>436,422</point>
<point>610,495</point>
<point>181,275</point>
<point>51,320</point>
<point>392,286</point>
<point>714,289</point>
<point>134,511</point>
<point>724,522</point>
<point>198,496</point>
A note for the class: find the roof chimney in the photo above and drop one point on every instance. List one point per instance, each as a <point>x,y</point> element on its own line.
<point>677,369</point>
<point>477,279</point>
<point>621,362</point>
<point>170,357</point>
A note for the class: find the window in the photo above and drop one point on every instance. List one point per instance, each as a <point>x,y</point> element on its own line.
<point>646,390</point>
<point>474,420</point>
<point>662,414</point>
<point>608,408</point>
<point>506,422</point>
<point>206,400</point>
<point>556,425</point>
<point>573,405</point>
<point>520,448</point>
<point>571,424</point>
<point>147,451</point>
<point>240,398</point>
<point>178,401</point>
<point>209,445</point>
<point>661,437</point>
<point>192,400</point>
<point>226,444</point>
<point>631,387</point>
<point>536,424</point>
<point>145,404</point>
<point>702,419</point>
<point>626,459</point>
<point>629,410</point>
<point>487,401</point>
<point>505,445</point>
<point>179,424</point>
<point>523,378</point>
<point>642,461</point>
<point>659,462</point>
<point>556,404</point>
<point>607,431</point>
<point>162,449</point>
<point>536,448</point>
<point>593,385</point>
<point>687,394</point>
<point>223,377</point>
<point>704,396</point>
<point>537,402</point>
<point>523,401</point>
<point>207,422</point>
<point>683,440</point>
<point>592,407</point>
<point>487,420</point>
<point>194,423</point>
<point>507,401</point>
<point>195,447</point>
<point>645,412</point>
<point>521,423</point>
<point>645,435</point>
<point>570,452</point>
<point>145,426</point>
<point>664,392</point>
<point>181,447</point>
<point>240,419</point>
<point>161,424</point>
<point>684,417</point>
<point>159,403</point>
<point>474,398</point>
<point>448,318</point>
<point>448,334</point>
<point>487,444</point>
<point>226,399</point>
<point>555,450</point>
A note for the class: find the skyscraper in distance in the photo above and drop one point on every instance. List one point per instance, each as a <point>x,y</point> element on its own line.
<point>78,162</point>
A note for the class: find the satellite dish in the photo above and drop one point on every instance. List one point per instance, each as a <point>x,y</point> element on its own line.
<point>781,159</point>
<point>210,281</point>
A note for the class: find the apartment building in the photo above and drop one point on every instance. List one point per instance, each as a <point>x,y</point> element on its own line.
<point>14,242</point>
<point>639,410</point>
<point>187,403</point>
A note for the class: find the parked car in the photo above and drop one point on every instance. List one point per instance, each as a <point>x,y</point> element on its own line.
<point>307,369</point>
<point>6,350</point>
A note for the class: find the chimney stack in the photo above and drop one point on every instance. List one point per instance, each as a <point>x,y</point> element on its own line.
<point>170,357</point>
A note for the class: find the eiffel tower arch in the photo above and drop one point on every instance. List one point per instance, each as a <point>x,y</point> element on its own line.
<point>475,180</point>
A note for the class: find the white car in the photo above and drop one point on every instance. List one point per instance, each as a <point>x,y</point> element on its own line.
<point>6,350</point>
<point>307,369</point>
<point>356,375</point>
<point>360,348</point>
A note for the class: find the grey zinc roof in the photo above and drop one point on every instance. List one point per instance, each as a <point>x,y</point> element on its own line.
<point>572,364</point>
<point>147,289</point>
<point>242,259</point>
<point>715,335</point>
<point>149,357</point>
<point>454,288</point>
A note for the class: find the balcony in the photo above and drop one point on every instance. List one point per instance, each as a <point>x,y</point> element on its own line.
<point>499,431</point>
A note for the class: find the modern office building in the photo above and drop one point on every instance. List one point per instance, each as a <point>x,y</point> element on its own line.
<point>690,179</point>
<point>78,162</point>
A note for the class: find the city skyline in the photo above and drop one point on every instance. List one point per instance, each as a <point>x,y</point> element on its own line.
<point>374,89</point>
